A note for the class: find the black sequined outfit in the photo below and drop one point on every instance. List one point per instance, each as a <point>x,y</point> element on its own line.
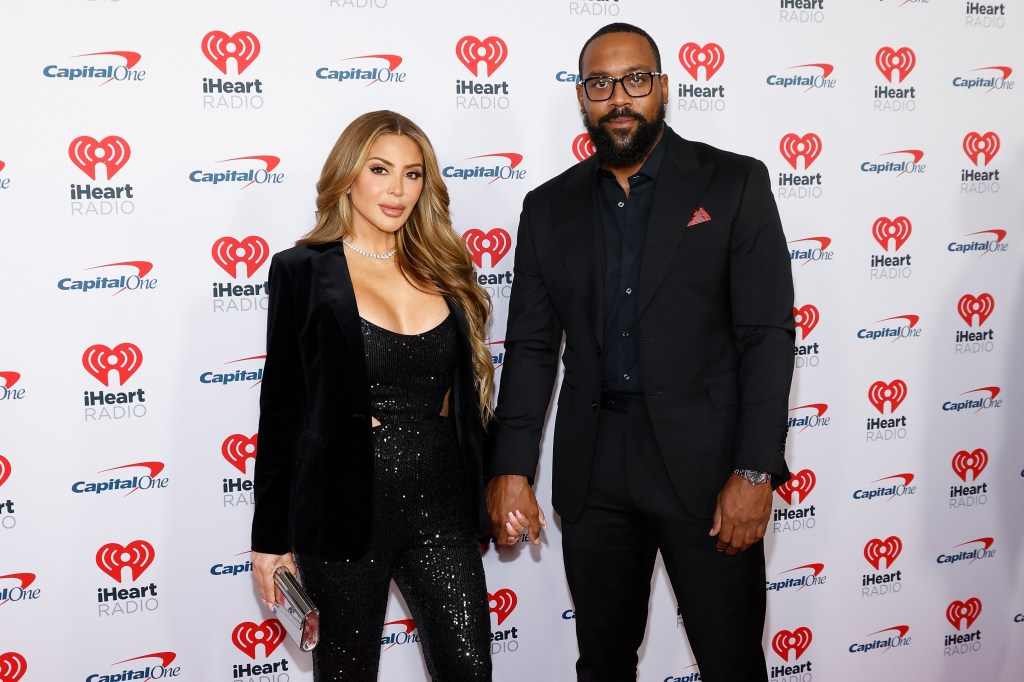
<point>424,536</point>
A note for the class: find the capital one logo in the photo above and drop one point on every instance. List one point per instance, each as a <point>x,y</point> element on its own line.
<point>495,243</point>
<point>583,147</point>
<point>491,51</point>
<point>502,603</point>
<point>692,56</point>
<point>900,61</point>
<point>5,469</point>
<point>219,47</point>
<point>12,666</point>
<point>246,636</point>
<point>87,152</point>
<point>798,487</point>
<point>124,359</point>
<point>137,556</point>
<point>796,642</point>
<point>879,552</point>
<point>894,393</point>
<point>806,319</point>
<point>228,252</point>
<point>962,614</point>
<point>975,145</point>
<point>793,147</point>
<point>971,307</point>
<point>236,449</point>
<point>963,463</point>
<point>896,231</point>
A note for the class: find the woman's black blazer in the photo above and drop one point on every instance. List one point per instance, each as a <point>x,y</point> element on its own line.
<point>314,466</point>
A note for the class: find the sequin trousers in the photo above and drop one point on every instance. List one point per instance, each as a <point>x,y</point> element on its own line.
<point>424,536</point>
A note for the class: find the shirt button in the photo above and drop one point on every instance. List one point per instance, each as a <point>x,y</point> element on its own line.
<point>629,290</point>
<point>626,377</point>
<point>625,333</point>
<point>621,204</point>
<point>593,405</point>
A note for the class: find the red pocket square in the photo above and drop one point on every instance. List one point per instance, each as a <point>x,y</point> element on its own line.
<point>699,216</point>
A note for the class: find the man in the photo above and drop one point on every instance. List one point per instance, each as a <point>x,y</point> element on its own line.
<point>663,263</point>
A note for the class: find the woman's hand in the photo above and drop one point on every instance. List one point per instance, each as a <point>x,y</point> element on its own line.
<point>263,568</point>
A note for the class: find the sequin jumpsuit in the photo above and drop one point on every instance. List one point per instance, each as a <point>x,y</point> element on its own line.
<point>424,536</point>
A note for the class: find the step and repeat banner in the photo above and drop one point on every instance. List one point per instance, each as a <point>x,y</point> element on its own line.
<point>153,155</point>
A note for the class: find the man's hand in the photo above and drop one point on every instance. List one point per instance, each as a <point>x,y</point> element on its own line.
<point>513,508</point>
<point>741,514</point>
<point>263,567</point>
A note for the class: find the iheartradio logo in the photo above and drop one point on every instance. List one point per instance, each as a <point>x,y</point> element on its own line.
<point>894,393</point>
<point>885,551</point>
<point>137,556</point>
<point>246,636</point>
<point>112,151</point>
<point>219,47</point>
<point>692,56</point>
<point>962,614</point>
<point>980,306</point>
<point>495,243</point>
<point>975,145</point>
<point>5,469</point>
<point>491,51</point>
<point>806,319</point>
<point>895,65</point>
<point>963,463</point>
<point>228,252</point>
<point>896,231</point>
<point>12,666</point>
<point>793,147</point>
<point>502,603</point>
<point>583,147</point>
<point>799,485</point>
<point>785,642</point>
<point>236,449</point>
<point>124,359</point>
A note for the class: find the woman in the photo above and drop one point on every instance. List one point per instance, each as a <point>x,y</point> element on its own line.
<point>376,389</point>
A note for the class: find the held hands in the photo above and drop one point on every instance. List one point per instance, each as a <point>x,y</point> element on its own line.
<point>263,567</point>
<point>741,514</point>
<point>513,508</point>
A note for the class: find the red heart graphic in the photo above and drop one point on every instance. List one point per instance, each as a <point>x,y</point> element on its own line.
<point>218,47</point>
<point>806,319</point>
<point>975,145</point>
<point>112,151</point>
<point>970,462</point>
<point>981,305</point>
<point>124,358</point>
<point>583,147</point>
<point>898,229</point>
<point>800,483</point>
<point>901,60</point>
<point>959,611</point>
<point>894,393</point>
<point>797,641</point>
<point>270,633</point>
<point>5,469</point>
<point>495,243</point>
<point>137,555</point>
<point>504,601</point>
<point>792,147</point>
<point>875,551</point>
<point>228,252</point>
<point>12,666</point>
<point>492,51</point>
<point>236,449</point>
<point>692,56</point>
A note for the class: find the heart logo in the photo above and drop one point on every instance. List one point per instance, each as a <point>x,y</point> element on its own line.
<point>901,61</point>
<point>218,47</point>
<point>878,551</point>
<point>806,319</point>
<point>975,145</point>
<point>898,230</point>
<point>583,147</point>
<point>796,641</point>
<point>972,463</point>
<point>502,603</point>
<point>981,305</point>
<point>112,151</point>
<point>959,611</point>
<point>692,56</point>
<point>124,358</point>
<point>270,633</point>
<point>137,555</point>
<point>236,449</point>
<point>799,485</point>
<point>894,393</point>
<point>495,243</point>
<point>5,469</point>
<point>228,252</point>
<point>492,51</point>
<point>12,666</point>
<point>793,147</point>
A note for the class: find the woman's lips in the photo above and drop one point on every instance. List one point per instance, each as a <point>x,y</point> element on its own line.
<point>392,210</point>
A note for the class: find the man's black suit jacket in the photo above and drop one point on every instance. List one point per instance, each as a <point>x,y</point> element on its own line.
<point>714,327</point>
<point>314,464</point>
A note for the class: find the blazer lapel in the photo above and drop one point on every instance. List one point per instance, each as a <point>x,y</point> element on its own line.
<point>681,182</point>
<point>332,271</point>
<point>581,242</point>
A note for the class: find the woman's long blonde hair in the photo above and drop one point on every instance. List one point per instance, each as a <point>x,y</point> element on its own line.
<point>429,252</point>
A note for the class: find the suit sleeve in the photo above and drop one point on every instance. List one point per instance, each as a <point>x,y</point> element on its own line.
<point>280,412</point>
<point>761,293</point>
<point>532,340</point>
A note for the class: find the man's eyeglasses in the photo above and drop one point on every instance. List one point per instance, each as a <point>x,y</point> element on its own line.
<point>638,84</point>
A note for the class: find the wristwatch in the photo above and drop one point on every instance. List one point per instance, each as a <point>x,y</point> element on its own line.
<point>753,477</point>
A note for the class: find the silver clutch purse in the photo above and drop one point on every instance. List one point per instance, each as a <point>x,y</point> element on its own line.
<point>297,613</point>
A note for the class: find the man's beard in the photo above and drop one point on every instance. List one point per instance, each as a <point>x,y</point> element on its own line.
<point>624,148</point>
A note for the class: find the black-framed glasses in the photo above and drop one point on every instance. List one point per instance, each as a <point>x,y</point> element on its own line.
<point>637,84</point>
